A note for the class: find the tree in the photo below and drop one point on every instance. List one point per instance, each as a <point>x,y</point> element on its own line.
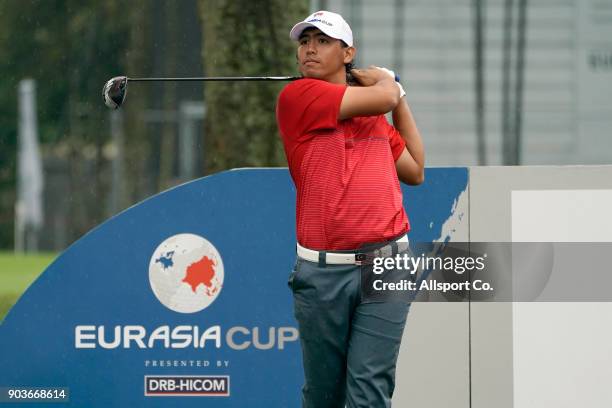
<point>68,47</point>
<point>71,47</point>
<point>245,38</point>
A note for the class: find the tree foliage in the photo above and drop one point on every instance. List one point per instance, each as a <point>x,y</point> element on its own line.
<point>246,38</point>
<point>71,47</point>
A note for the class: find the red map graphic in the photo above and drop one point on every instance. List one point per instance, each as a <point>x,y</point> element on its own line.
<point>201,272</point>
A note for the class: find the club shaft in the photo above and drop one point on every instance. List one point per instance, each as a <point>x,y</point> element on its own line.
<point>268,78</point>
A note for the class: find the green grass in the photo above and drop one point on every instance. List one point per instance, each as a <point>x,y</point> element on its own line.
<point>17,272</point>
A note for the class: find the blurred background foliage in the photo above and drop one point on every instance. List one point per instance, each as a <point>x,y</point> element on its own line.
<point>71,48</point>
<point>238,114</point>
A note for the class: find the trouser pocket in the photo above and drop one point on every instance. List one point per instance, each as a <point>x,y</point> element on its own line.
<point>294,273</point>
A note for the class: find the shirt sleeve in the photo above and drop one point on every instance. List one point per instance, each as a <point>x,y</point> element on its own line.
<point>308,105</point>
<point>396,141</point>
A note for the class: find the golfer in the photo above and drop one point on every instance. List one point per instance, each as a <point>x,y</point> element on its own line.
<point>346,161</point>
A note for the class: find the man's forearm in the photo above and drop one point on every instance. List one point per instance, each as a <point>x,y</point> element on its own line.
<point>404,122</point>
<point>390,86</point>
<point>376,94</point>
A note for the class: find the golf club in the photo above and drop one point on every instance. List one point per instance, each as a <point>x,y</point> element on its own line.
<point>115,89</point>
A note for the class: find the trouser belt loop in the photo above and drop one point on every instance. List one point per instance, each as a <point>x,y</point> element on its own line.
<point>322,262</point>
<point>394,248</point>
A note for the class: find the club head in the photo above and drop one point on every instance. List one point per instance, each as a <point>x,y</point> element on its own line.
<point>114,92</point>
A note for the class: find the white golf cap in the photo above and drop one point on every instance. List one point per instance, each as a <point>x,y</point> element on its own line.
<point>330,23</point>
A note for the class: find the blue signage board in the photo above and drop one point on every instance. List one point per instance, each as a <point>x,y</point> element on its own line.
<point>181,299</point>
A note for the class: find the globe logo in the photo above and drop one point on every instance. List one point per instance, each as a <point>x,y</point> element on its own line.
<point>186,273</point>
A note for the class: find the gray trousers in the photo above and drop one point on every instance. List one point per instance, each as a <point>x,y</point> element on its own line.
<point>349,347</point>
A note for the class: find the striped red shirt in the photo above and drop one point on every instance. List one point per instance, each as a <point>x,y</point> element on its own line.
<point>348,193</point>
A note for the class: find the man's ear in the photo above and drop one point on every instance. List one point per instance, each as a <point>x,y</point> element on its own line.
<point>349,54</point>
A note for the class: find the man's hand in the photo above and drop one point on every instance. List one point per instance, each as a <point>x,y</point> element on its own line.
<point>396,79</point>
<point>377,95</point>
<point>370,76</point>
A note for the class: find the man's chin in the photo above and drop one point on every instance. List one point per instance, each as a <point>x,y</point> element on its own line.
<point>311,74</point>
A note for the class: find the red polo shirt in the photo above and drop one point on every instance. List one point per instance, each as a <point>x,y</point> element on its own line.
<point>348,192</point>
